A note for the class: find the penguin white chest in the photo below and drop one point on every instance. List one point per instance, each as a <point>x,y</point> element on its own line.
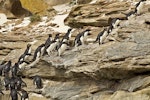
<point>29,51</point>
<point>82,39</point>
<point>51,47</point>
<point>103,37</point>
<point>140,7</point>
<point>62,49</point>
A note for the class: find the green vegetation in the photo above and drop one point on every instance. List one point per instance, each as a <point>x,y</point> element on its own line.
<point>35,18</point>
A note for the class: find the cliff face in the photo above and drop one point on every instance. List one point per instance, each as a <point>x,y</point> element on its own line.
<point>119,69</point>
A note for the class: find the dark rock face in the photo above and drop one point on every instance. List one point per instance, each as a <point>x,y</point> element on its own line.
<point>18,10</point>
<point>14,7</point>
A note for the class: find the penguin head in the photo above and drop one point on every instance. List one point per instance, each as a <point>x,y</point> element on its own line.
<point>28,45</point>
<point>87,32</point>
<point>16,65</point>
<point>49,35</point>
<point>57,35</point>
<point>9,62</point>
<point>69,30</point>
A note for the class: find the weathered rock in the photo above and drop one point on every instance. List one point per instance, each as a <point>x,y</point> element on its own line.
<point>98,14</point>
<point>115,70</point>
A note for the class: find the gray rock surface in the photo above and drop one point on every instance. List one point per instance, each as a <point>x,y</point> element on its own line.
<point>116,70</point>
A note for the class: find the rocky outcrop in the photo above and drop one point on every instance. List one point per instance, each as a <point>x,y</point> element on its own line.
<point>116,70</point>
<point>96,14</point>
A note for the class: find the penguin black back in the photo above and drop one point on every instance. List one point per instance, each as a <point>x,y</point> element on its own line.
<point>24,95</point>
<point>100,34</point>
<point>38,52</point>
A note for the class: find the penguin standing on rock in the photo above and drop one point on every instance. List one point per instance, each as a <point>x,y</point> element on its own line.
<point>37,81</point>
<point>62,47</point>
<point>54,43</point>
<point>6,82</point>
<point>68,34</point>
<point>114,22</point>
<point>139,6</point>
<point>6,68</point>
<point>38,52</point>
<point>47,43</point>
<point>131,14</point>
<point>14,70</point>
<point>24,95</point>
<point>26,54</point>
<point>81,37</point>
<point>101,36</point>
<point>22,64</point>
<point>14,94</point>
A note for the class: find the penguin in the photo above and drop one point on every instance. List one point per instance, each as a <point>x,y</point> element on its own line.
<point>54,43</point>
<point>24,95</point>
<point>38,52</point>
<point>14,94</point>
<point>62,47</point>
<point>1,68</point>
<point>51,47</point>
<point>57,40</point>
<point>14,70</point>
<point>1,92</point>
<point>81,37</point>
<point>68,34</point>
<point>114,22</point>
<point>48,39</point>
<point>47,43</point>
<point>131,14</point>
<point>100,36</point>
<point>26,54</point>
<point>139,6</point>
<point>28,49</point>
<point>37,81</point>
<point>6,82</point>
<point>12,83</point>
<point>20,83</point>
<point>6,68</point>
<point>22,64</point>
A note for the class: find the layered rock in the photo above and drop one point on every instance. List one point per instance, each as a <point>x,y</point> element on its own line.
<point>116,70</point>
<point>96,14</point>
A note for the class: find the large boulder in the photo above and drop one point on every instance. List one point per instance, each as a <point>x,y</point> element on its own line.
<point>96,14</point>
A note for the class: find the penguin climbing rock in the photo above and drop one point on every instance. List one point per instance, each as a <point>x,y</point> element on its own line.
<point>101,36</point>
<point>131,14</point>
<point>62,47</point>
<point>81,37</point>
<point>114,22</point>
<point>68,34</point>
<point>14,70</point>
<point>38,52</point>
<point>47,44</point>
<point>26,54</point>
<point>51,47</point>
<point>139,6</point>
